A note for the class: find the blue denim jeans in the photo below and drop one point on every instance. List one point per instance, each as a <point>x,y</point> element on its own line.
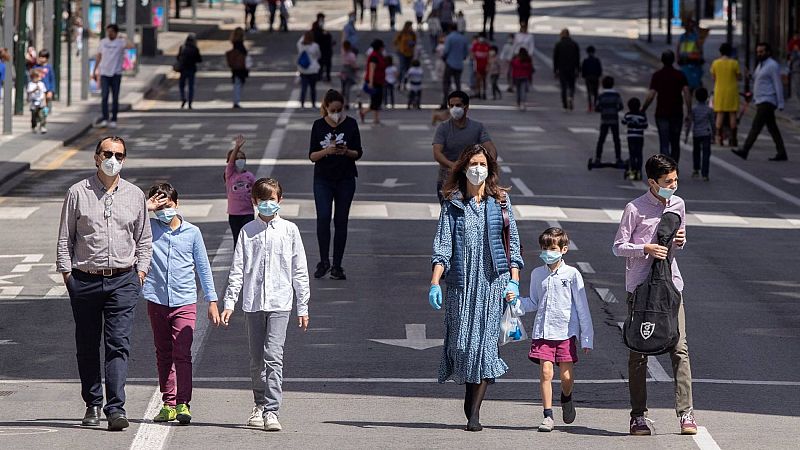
<point>187,77</point>
<point>333,198</point>
<point>111,83</point>
<point>308,81</point>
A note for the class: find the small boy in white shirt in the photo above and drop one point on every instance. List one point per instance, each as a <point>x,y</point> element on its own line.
<point>269,266</point>
<point>414,79</point>
<point>37,93</point>
<point>562,317</point>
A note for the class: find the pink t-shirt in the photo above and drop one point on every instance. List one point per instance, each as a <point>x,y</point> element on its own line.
<point>238,186</point>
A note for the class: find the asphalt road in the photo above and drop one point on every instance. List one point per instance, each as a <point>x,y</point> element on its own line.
<point>344,389</point>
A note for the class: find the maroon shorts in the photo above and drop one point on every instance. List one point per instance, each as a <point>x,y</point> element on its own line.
<point>553,351</point>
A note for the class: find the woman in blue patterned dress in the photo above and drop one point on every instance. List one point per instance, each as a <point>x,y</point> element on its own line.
<point>480,269</point>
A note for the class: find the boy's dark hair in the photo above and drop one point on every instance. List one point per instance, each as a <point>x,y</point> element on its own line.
<point>725,49</point>
<point>389,60</point>
<point>701,94</point>
<point>377,45</point>
<point>114,27</point>
<point>590,50</point>
<point>415,63</point>
<point>263,189</point>
<point>494,47</point>
<point>668,58</point>
<point>608,82</point>
<point>163,190</point>
<point>44,54</point>
<point>553,236</point>
<point>659,165</point>
<point>634,104</point>
<point>459,94</point>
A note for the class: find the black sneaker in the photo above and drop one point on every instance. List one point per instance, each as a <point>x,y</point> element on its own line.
<point>337,273</point>
<point>740,153</point>
<point>322,268</point>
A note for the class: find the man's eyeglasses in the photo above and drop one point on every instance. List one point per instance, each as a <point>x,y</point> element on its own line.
<point>107,154</point>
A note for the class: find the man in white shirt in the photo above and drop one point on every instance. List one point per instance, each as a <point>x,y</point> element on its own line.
<point>108,72</point>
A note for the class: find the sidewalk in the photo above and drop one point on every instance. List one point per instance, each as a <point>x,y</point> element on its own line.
<point>22,148</point>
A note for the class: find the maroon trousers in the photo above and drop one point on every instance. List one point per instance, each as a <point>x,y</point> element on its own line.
<point>173,331</point>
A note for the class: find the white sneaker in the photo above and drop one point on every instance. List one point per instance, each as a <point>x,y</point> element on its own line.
<point>101,124</point>
<point>256,419</point>
<point>112,124</point>
<point>271,422</point>
<point>43,130</point>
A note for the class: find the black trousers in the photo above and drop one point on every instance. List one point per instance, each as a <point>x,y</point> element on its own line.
<point>488,17</point>
<point>236,223</point>
<point>567,81</point>
<point>669,136</point>
<point>701,154</point>
<point>450,74</point>
<point>635,147</point>
<point>604,129</point>
<point>333,198</point>
<point>765,115</point>
<point>103,308</point>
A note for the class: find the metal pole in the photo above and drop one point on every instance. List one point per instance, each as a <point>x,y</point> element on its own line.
<point>649,21</point>
<point>58,10</point>
<point>21,48</point>
<point>697,14</point>
<point>669,22</point>
<point>130,20</point>
<point>69,33</point>
<point>8,41</point>
<point>746,31</point>
<point>166,14</point>
<point>660,12</point>
<point>85,52</point>
<point>729,27</point>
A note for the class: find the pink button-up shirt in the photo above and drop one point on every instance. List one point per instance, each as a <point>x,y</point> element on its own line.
<point>638,227</point>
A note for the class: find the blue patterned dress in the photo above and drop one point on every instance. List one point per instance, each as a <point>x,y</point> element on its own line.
<point>473,312</point>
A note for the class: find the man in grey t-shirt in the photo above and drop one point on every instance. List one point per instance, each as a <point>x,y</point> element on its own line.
<point>454,135</point>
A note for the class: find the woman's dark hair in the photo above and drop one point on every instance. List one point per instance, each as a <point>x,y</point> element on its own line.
<point>659,165</point>
<point>457,182</point>
<point>164,190</point>
<point>590,50</point>
<point>237,35</point>
<point>524,56</point>
<point>115,139</point>
<point>634,104</point>
<point>668,58</point>
<point>308,37</point>
<point>553,236</point>
<point>347,45</point>
<point>331,96</point>
<point>701,94</point>
<point>263,189</point>
<point>725,49</point>
<point>377,45</point>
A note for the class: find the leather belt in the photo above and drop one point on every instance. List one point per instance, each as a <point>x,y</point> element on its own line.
<point>108,272</point>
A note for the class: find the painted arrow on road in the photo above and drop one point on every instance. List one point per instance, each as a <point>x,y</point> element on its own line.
<point>390,183</point>
<point>4,278</point>
<point>415,338</point>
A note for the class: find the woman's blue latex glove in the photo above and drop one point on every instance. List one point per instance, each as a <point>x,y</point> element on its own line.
<point>512,288</point>
<point>435,296</point>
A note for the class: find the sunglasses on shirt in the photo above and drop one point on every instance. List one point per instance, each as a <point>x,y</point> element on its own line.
<point>107,154</point>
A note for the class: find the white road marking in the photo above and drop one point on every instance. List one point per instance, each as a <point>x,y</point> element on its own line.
<point>9,292</point>
<point>56,291</point>
<point>654,367</point>
<point>273,86</point>
<point>720,218</point>
<point>528,129</point>
<point>8,342</point>
<point>243,127</point>
<point>539,212</point>
<point>606,295</point>
<point>5,278</point>
<point>224,87</point>
<point>17,212</point>
<point>704,440</point>
<point>29,258</point>
<point>21,268</point>
<point>524,189</point>
<point>792,180</point>
<point>585,267</point>
<point>750,178</point>
<point>190,210</point>
<point>505,169</point>
<point>185,126</point>
<point>416,338</point>
<point>582,130</point>
<point>413,127</point>
<point>613,214</point>
<point>374,210</point>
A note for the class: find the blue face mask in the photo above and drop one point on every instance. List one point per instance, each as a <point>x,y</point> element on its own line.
<point>268,207</point>
<point>666,193</point>
<point>550,256</point>
<point>166,215</point>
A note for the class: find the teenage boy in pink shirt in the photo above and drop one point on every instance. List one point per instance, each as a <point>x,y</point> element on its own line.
<point>635,242</point>
<point>238,184</point>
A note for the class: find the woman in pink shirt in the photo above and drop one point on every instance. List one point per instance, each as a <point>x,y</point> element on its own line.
<point>238,183</point>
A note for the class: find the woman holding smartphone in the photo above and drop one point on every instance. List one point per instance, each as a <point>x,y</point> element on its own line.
<point>335,146</point>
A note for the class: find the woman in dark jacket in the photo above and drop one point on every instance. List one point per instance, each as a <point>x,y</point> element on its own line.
<point>335,147</point>
<point>188,59</point>
<point>237,61</point>
<point>469,251</point>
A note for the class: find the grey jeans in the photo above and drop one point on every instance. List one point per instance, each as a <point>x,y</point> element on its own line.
<point>266,333</point>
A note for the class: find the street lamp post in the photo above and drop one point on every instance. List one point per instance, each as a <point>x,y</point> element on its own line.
<point>8,40</point>
<point>85,52</point>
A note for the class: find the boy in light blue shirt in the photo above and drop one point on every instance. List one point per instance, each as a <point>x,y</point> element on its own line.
<point>562,317</point>
<point>171,293</point>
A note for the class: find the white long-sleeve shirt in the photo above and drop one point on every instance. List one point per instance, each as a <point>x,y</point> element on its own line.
<point>559,299</point>
<point>269,268</point>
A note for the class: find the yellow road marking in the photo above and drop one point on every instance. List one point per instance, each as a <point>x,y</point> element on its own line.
<point>58,162</point>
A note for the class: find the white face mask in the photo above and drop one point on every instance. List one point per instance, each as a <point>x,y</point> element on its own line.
<point>335,116</point>
<point>240,163</point>
<point>477,175</point>
<point>111,166</point>
<point>456,112</point>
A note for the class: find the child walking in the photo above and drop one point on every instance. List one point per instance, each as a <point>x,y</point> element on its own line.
<point>414,78</point>
<point>635,241</point>
<point>37,99</point>
<point>349,71</point>
<point>269,268</point>
<point>495,68</point>
<point>238,184</point>
<point>392,75</point>
<point>636,121</point>
<point>562,318</point>
<point>702,122</point>
<point>522,74</point>
<point>171,293</point>
<point>591,71</point>
<point>609,104</point>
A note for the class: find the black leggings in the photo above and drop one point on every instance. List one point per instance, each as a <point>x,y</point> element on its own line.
<point>333,198</point>
<point>237,222</point>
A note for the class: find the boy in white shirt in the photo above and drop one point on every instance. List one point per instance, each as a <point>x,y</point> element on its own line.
<point>269,266</point>
<point>414,80</point>
<point>36,98</point>
<point>562,317</point>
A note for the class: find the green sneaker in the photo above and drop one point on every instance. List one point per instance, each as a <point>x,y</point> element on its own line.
<point>166,414</point>
<point>184,416</point>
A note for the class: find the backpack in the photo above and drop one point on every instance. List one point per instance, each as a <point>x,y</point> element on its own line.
<point>236,59</point>
<point>304,61</point>
<point>651,327</point>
